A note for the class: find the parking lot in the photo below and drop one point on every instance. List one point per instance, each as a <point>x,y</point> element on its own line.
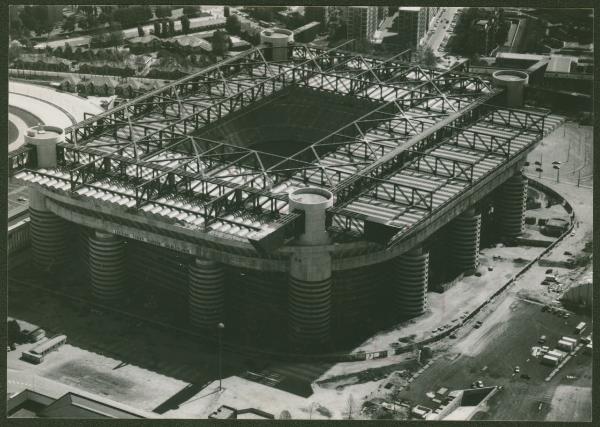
<point>491,353</point>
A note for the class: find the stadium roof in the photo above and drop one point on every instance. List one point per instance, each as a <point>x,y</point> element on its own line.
<point>432,135</point>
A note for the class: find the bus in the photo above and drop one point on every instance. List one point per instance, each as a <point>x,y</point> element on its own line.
<point>36,354</point>
<point>580,328</point>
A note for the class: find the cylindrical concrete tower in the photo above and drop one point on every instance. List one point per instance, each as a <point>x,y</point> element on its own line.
<point>47,231</point>
<point>313,201</point>
<point>44,138</point>
<point>514,83</point>
<point>279,40</point>
<point>510,205</point>
<point>309,301</point>
<point>412,275</point>
<point>465,235</point>
<point>206,294</point>
<point>107,267</point>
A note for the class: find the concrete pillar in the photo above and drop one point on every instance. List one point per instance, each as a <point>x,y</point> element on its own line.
<point>310,273</point>
<point>47,231</point>
<point>465,234</point>
<point>412,273</point>
<point>510,206</point>
<point>107,267</point>
<point>206,293</point>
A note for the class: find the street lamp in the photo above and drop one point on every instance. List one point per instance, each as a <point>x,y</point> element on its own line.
<point>220,328</point>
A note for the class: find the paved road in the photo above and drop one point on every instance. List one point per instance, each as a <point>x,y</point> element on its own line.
<point>132,32</point>
<point>436,38</point>
<point>18,73</point>
<point>51,107</point>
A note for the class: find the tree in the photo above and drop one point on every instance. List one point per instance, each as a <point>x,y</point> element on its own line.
<point>427,57</point>
<point>14,51</point>
<point>185,24</point>
<point>68,51</point>
<point>220,43</point>
<point>35,18</point>
<point>99,39</point>
<point>233,25</point>
<point>140,31</point>
<point>501,33</point>
<point>16,28</point>
<point>163,11</point>
<point>115,37</point>
<point>171,27</point>
<point>131,16</point>
<point>226,11</point>
<point>157,28</point>
<point>285,415</point>
<point>69,24</point>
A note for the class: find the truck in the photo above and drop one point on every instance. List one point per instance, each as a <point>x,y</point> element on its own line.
<point>573,340</point>
<point>560,355</point>
<point>549,360</point>
<point>565,345</point>
<point>580,328</point>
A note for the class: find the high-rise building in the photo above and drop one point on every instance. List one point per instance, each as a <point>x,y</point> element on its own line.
<point>317,13</point>
<point>361,21</point>
<point>413,23</point>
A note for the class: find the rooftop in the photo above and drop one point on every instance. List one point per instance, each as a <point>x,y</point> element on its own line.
<point>30,404</point>
<point>387,169</point>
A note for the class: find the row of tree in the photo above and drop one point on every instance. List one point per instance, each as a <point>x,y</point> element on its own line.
<point>107,70</point>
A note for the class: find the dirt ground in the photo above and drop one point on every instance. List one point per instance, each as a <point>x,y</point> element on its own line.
<point>571,403</point>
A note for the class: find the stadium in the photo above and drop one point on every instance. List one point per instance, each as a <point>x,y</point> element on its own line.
<point>304,197</point>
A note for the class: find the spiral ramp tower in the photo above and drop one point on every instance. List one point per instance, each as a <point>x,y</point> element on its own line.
<point>206,293</point>
<point>465,237</point>
<point>412,274</point>
<point>47,231</point>
<point>309,301</point>
<point>310,310</point>
<point>107,267</point>
<point>510,206</point>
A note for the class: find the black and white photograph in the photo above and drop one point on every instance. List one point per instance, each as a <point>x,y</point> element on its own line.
<point>313,212</point>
